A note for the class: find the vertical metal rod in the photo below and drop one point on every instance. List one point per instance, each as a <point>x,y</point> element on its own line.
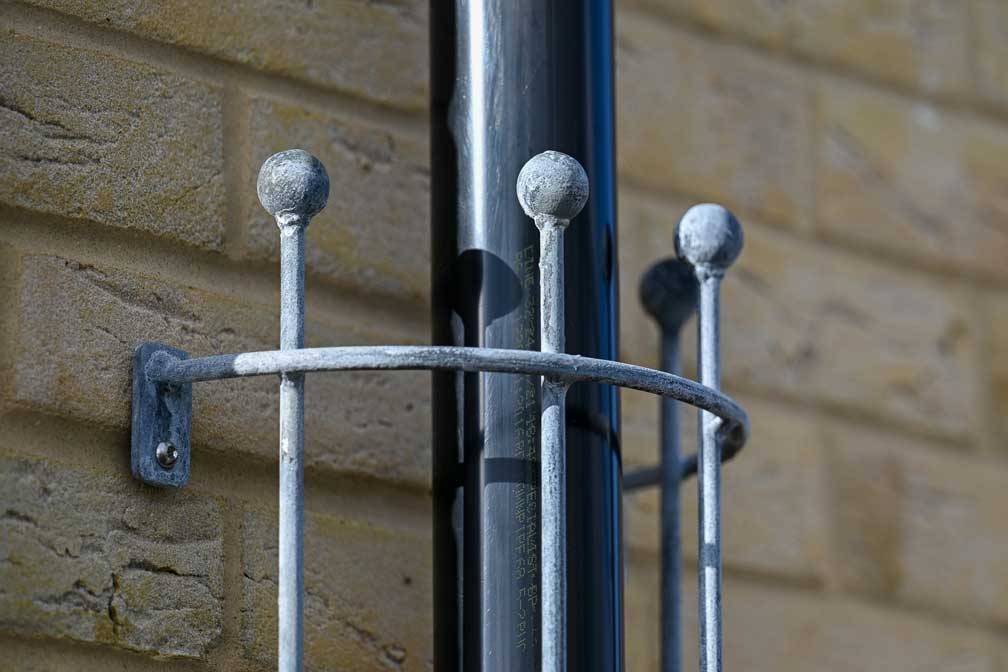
<point>710,238</point>
<point>709,478</point>
<point>293,186</point>
<point>668,292</point>
<point>553,451</point>
<point>671,474</point>
<point>291,542</point>
<point>552,188</point>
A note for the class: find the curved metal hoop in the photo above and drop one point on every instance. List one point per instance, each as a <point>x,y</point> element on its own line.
<point>165,368</point>
<point>552,189</point>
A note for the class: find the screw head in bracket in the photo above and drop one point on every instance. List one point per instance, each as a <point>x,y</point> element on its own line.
<point>709,237</point>
<point>166,454</point>
<point>293,186</point>
<point>553,185</point>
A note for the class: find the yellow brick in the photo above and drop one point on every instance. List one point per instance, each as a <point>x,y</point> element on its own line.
<point>368,594</point>
<point>907,178</point>
<point>991,49</point>
<point>921,43</point>
<point>8,316</point>
<point>101,558</point>
<point>79,326</point>
<point>921,526</point>
<point>376,50</point>
<point>816,324</point>
<point>701,118</point>
<point>94,137</point>
<point>997,312</point>
<point>775,517</point>
<point>646,236</point>
<point>772,628</point>
<point>49,655</point>
<point>374,234</point>
<point>641,625</point>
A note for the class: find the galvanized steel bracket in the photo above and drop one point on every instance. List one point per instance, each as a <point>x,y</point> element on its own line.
<point>552,188</point>
<point>162,423</point>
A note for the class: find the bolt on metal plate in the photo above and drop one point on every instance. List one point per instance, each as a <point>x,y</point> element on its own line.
<point>162,422</point>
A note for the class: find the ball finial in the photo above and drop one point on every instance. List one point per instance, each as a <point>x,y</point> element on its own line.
<point>668,292</point>
<point>552,184</point>
<point>293,186</point>
<point>709,237</point>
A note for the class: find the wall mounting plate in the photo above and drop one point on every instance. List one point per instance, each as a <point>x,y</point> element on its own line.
<point>162,423</point>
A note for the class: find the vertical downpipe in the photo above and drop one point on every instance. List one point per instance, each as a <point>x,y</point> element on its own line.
<point>510,79</point>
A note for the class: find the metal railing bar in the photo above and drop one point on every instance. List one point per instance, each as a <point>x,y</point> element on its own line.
<point>668,292</point>
<point>671,475</point>
<point>293,186</point>
<point>710,238</point>
<point>552,189</point>
<point>641,478</point>
<point>167,369</point>
<point>709,481</point>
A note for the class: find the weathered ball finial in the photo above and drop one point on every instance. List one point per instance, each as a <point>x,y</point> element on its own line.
<point>709,237</point>
<point>293,185</point>
<point>552,184</point>
<point>668,292</point>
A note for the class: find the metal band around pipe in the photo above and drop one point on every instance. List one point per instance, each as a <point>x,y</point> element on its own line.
<point>164,368</point>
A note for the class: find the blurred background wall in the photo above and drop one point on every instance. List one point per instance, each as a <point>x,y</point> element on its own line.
<point>863,143</point>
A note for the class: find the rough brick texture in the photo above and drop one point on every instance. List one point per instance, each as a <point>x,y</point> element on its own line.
<point>922,43</point>
<point>771,627</point>
<point>720,124</point>
<point>919,525</point>
<point>998,310</point>
<point>868,311</point>
<point>990,24</point>
<point>811,321</point>
<point>778,523</point>
<point>863,145</point>
<point>372,236</point>
<point>80,324</point>
<point>100,558</point>
<point>374,49</point>
<point>97,138</point>
<point>879,182</point>
<point>368,594</point>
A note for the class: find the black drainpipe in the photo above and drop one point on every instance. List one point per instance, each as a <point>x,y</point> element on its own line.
<point>509,79</point>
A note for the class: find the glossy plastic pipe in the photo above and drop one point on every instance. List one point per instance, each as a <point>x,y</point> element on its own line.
<point>510,79</point>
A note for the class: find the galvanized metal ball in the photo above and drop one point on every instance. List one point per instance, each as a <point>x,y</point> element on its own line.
<point>293,184</point>
<point>709,237</point>
<point>552,184</point>
<point>668,292</point>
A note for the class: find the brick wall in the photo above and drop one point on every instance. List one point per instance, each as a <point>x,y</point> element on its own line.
<point>864,146</point>
<point>862,143</point>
